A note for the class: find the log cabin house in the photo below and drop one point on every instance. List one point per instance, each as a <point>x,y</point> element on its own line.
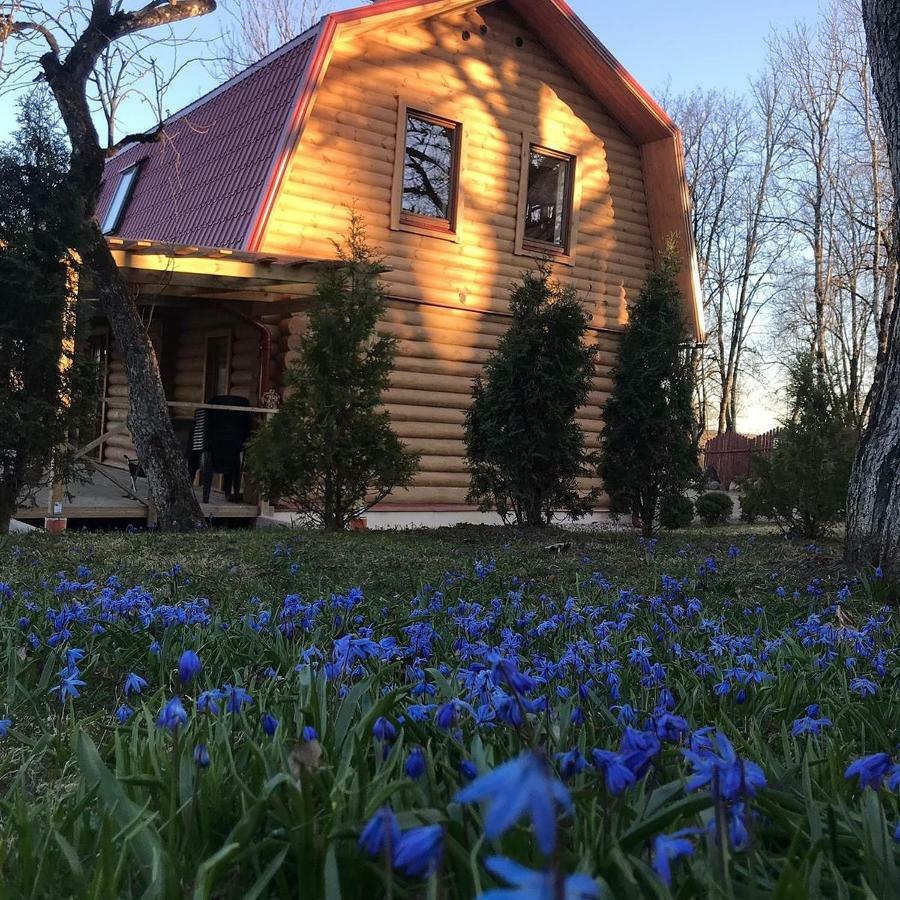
<point>473,137</point>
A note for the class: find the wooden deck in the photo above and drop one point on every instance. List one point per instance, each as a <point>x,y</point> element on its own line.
<point>107,495</point>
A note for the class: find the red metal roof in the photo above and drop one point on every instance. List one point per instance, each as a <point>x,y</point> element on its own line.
<point>202,183</point>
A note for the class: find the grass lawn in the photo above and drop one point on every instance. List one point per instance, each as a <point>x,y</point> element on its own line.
<point>665,719</point>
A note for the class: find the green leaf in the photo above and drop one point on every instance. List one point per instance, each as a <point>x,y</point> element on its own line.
<point>144,841</point>
<point>206,871</point>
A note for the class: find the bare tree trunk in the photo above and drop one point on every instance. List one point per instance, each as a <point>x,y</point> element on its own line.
<point>873,526</point>
<point>148,416</point>
<point>149,421</point>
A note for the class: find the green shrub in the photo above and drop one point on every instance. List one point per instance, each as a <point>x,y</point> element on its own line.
<point>803,484</point>
<point>331,450</point>
<point>649,446</point>
<point>676,512</point>
<point>715,508</point>
<point>525,450</point>
<point>752,506</point>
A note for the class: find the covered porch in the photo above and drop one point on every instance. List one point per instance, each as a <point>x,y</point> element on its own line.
<point>213,316</point>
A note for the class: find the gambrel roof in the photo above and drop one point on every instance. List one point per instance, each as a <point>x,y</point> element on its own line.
<point>213,178</point>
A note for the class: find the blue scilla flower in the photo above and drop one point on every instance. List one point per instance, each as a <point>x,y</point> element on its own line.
<point>869,771</point>
<point>5,725</point>
<point>811,723</point>
<point>571,763</point>
<point>208,701</point>
<point>155,648</point>
<point>415,764</point>
<point>381,833</point>
<point>383,729</point>
<point>173,715</point>
<point>134,684</point>
<point>715,762</point>
<point>526,884</point>
<point>669,847</point>
<point>236,698</point>
<point>69,684</point>
<point>201,756</point>
<point>189,666</point>
<point>418,852</point>
<point>310,733</point>
<point>616,770</point>
<point>269,724</point>
<point>123,714</point>
<point>523,786</point>
<point>894,779</point>
<point>865,687</point>
<point>468,770</point>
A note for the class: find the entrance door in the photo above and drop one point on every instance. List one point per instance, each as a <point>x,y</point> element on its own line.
<point>217,372</point>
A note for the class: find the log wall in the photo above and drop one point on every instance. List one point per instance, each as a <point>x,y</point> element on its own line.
<point>439,352</point>
<point>188,330</point>
<point>499,92</point>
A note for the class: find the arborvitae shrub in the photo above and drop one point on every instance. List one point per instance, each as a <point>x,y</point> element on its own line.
<point>803,484</point>
<point>330,449</point>
<point>525,450</point>
<point>649,455</point>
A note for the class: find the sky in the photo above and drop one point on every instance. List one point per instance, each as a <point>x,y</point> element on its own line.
<point>668,45</point>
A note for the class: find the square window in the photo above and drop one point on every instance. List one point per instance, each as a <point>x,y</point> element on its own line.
<point>430,171</point>
<point>117,207</point>
<point>548,206</point>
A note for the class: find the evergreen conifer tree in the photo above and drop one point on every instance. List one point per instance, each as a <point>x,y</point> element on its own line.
<point>525,449</point>
<point>330,449</point>
<point>47,390</point>
<point>649,455</point>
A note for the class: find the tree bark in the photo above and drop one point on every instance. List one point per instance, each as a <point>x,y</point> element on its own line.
<point>873,524</point>
<point>149,422</point>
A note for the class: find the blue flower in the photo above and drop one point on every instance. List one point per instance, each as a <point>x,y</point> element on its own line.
<point>69,684</point>
<point>134,684</point>
<point>380,833</point>
<point>870,770</point>
<point>208,701</point>
<point>189,666</point>
<point>619,776</point>
<point>201,756</point>
<point>124,714</point>
<point>531,885</point>
<point>237,698</point>
<point>468,770</point>
<point>5,725</point>
<point>415,764</point>
<point>715,762</point>
<point>310,733</point>
<point>172,715</point>
<point>418,852</point>
<point>669,847</point>
<point>383,729</point>
<point>571,763</point>
<point>269,724</point>
<point>523,786</point>
<point>811,723</point>
<point>865,687</point>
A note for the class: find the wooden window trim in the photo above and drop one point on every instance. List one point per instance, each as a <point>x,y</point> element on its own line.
<point>424,225</point>
<point>212,334</point>
<point>534,249</point>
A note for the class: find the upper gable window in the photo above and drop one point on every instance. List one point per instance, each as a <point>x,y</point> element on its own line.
<point>549,200</point>
<point>119,204</point>
<point>430,171</point>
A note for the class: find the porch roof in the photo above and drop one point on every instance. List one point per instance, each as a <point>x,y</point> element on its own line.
<point>160,269</point>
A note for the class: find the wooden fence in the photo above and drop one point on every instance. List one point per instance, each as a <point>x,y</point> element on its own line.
<point>728,455</point>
